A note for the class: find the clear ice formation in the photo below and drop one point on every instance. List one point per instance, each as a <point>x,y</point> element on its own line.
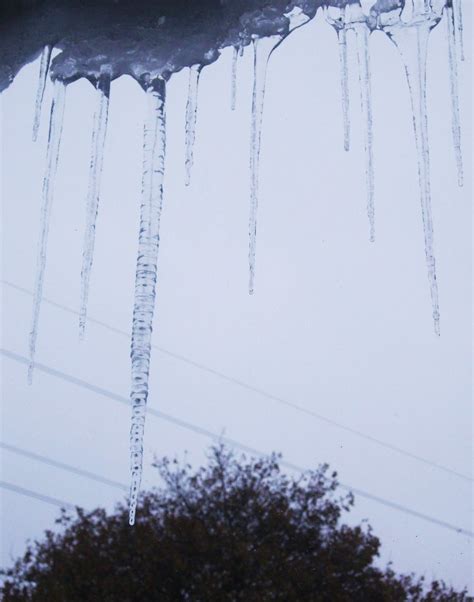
<point>233,77</point>
<point>263,47</point>
<point>154,148</point>
<point>92,204</point>
<point>453,78</point>
<point>152,54</point>
<point>52,158</point>
<point>191,116</point>
<point>411,35</point>
<point>42,79</point>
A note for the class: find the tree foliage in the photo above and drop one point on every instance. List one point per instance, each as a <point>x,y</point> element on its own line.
<point>235,529</point>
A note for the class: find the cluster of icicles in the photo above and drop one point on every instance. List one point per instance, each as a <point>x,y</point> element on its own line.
<point>408,26</point>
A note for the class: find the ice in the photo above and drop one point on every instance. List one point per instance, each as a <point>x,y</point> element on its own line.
<point>191,116</point>
<point>154,146</point>
<point>43,76</point>
<point>52,157</point>
<point>92,205</point>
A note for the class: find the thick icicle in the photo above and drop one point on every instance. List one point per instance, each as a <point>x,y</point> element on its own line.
<point>453,76</point>
<point>412,42</point>
<point>262,49</point>
<point>458,20</point>
<point>342,39</point>
<point>191,115</point>
<point>52,156</point>
<point>43,75</point>
<point>233,82</point>
<point>362,39</point>
<point>146,275</point>
<point>92,205</point>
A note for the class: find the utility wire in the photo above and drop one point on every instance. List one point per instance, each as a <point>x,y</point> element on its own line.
<point>73,469</point>
<point>37,496</point>
<point>231,442</point>
<point>261,392</point>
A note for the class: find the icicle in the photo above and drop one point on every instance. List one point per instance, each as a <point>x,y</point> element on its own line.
<point>95,172</point>
<point>342,38</point>
<point>146,274</point>
<point>458,20</point>
<point>412,43</point>
<point>262,49</point>
<point>52,156</point>
<point>191,115</point>
<point>43,75</point>
<point>362,38</point>
<point>233,84</point>
<point>453,76</point>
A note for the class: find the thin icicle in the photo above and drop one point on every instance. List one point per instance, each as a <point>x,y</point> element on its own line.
<point>233,82</point>
<point>262,49</point>
<point>453,76</point>
<point>43,75</point>
<point>362,39</point>
<point>95,171</point>
<point>154,144</point>
<point>458,20</point>
<point>191,115</point>
<point>412,43</point>
<point>342,39</point>
<point>52,156</point>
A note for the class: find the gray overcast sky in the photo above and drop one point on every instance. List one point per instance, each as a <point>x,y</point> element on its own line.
<point>337,324</point>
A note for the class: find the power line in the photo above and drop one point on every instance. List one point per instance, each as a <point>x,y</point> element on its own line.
<point>229,441</point>
<point>72,469</point>
<point>37,496</point>
<point>275,398</point>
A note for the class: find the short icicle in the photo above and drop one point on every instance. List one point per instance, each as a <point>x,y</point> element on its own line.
<point>154,145</point>
<point>342,39</point>
<point>458,21</point>
<point>233,80</point>
<point>412,43</point>
<point>453,77</point>
<point>363,58</point>
<point>52,156</point>
<point>43,75</point>
<point>92,204</point>
<point>262,49</point>
<point>191,116</point>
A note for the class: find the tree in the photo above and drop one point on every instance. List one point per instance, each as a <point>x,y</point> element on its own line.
<point>235,529</point>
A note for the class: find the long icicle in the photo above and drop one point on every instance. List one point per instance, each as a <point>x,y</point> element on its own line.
<point>43,75</point>
<point>191,116</point>
<point>363,58</point>
<point>412,43</point>
<point>154,145</point>
<point>453,77</point>
<point>262,49</point>
<point>342,39</point>
<point>233,80</point>
<point>52,156</point>
<point>92,204</point>
<point>458,20</point>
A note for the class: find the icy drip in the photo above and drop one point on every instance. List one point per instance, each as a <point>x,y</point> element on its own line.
<point>453,76</point>
<point>191,115</point>
<point>43,75</point>
<point>146,276</point>
<point>342,39</point>
<point>92,205</point>
<point>262,47</point>
<point>458,20</point>
<point>362,39</point>
<point>412,42</point>
<point>233,82</point>
<point>52,156</point>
